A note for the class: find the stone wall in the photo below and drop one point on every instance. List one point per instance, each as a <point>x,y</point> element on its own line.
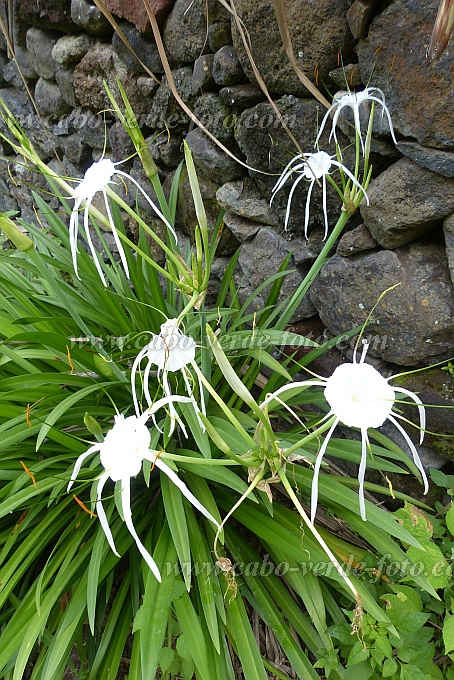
<point>66,48</point>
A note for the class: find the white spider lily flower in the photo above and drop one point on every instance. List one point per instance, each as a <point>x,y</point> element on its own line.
<point>170,351</point>
<point>311,166</point>
<point>359,396</point>
<point>124,448</point>
<point>98,176</point>
<point>353,101</point>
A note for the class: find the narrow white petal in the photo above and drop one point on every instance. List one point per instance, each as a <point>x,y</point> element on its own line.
<point>184,489</point>
<point>146,379</point>
<point>90,243</point>
<point>165,400</point>
<point>335,119</point>
<point>79,463</point>
<point>362,472</point>
<point>292,386</point>
<point>355,108</point>
<point>421,409</point>
<point>285,173</point>
<point>135,366</point>
<point>386,110</point>
<point>117,239</point>
<point>73,231</point>
<point>325,118</point>
<point>126,505</point>
<point>147,198</point>
<point>416,457</point>
<point>290,196</point>
<point>102,515</point>
<point>318,462</point>
<point>353,178</point>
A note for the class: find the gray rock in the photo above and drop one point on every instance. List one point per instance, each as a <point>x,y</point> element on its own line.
<point>406,201</point>
<point>349,75</point>
<point>413,324</point>
<point>38,129</point>
<point>91,127</point>
<point>219,34</point>
<point>356,241</point>
<point>241,198</point>
<point>436,160</point>
<point>64,75</point>
<point>241,96</point>
<point>318,31</point>
<point>143,46</point>
<point>268,149</point>
<point>448,228</point>
<point>171,150</point>
<point>211,160</point>
<point>217,274</point>
<point>120,142</point>
<point>185,31</point>
<point>242,228</point>
<point>49,99</point>
<point>226,66</point>
<point>306,249</point>
<point>99,64</point>
<point>11,74</point>
<point>23,61</point>
<point>46,14</point>
<point>74,148</point>
<point>202,76</point>
<point>3,63</point>
<point>146,86</point>
<point>8,202</point>
<point>260,257</point>
<point>63,127</point>
<point>215,116</point>
<point>69,49</point>
<point>165,112</point>
<point>39,46</point>
<point>86,15</point>
<point>420,104</point>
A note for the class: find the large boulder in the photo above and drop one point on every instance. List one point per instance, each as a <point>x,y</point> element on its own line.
<point>406,201</point>
<point>135,11</point>
<point>39,46</point>
<point>413,324</point>
<point>99,64</point>
<point>47,14</point>
<point>185,31</point>
<point>319,31</point>
<point>262,256</point>
<point>418,90</point>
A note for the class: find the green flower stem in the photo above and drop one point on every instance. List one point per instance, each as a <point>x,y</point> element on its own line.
<point>313,271</point>
<point>317,536</point>
<point>299,444</point>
